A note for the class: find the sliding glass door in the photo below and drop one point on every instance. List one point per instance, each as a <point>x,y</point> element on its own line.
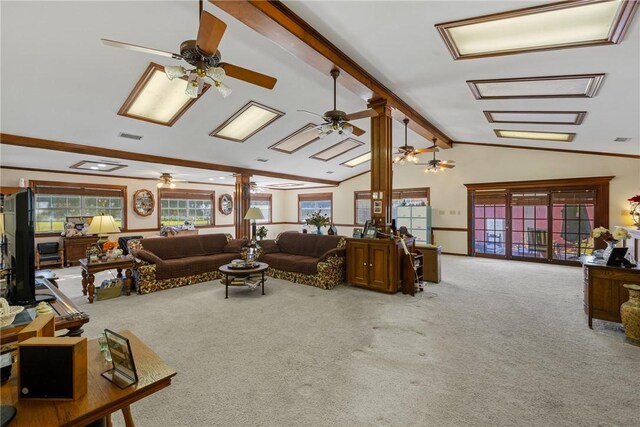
<point>490,224</point>
<point>573,219</point>
<point>536,224</point>
<point>529,225</point>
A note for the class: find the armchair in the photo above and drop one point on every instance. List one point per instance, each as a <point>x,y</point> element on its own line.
<point>49,253</point>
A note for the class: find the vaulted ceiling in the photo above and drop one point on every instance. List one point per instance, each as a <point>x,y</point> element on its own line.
<point>59,82</point>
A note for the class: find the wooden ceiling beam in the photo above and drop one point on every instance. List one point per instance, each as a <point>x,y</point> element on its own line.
<point>46,144</point>
<point>279,24</point>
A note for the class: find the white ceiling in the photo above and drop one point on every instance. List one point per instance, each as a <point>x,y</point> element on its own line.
<point>396,41</point>
<point>59,82</point>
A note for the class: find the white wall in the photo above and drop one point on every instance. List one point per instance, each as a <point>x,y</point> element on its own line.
<point>475,164</point>
<point>224,223</point>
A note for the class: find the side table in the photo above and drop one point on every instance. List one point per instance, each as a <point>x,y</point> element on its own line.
<point>88,270</point>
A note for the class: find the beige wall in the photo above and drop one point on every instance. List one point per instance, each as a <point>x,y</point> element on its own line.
<point>10,178</point>
<point>477,164</point>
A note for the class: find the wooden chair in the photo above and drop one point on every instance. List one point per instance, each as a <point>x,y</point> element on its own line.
<point>49,253</point>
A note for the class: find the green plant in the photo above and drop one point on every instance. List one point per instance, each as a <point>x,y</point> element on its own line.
<point>261,232</point>
<point>317,219</point>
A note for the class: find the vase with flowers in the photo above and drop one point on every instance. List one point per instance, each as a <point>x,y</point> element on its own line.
<point>634,210</point>
<point>318,220</point>
<point>110,249</point>
<point>610,238</point>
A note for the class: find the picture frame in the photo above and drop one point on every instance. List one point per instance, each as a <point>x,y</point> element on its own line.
<point>123,373</point>
<point>357,233</point>
<point>371,233</point>
<point>616,257</point>
<point>93,253</point>
<point>225,204</point>
<point>143,202</point>
<point>377,206</point>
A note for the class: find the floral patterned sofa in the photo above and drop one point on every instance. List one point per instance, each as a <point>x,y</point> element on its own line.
<point>310,259</point>
<point>184,260</point>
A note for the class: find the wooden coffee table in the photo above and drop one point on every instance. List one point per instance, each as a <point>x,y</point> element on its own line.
<point>88,269</point>
<point>242,272</point>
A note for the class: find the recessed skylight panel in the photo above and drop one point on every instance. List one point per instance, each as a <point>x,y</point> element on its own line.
<point>551,26</point>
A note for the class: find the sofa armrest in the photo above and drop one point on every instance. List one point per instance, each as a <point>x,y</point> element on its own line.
<point>145,255</point>
<point>332,252</point>
<point>268,246</point>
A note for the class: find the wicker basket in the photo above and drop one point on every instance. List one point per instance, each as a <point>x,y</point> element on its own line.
<point>8,313</point>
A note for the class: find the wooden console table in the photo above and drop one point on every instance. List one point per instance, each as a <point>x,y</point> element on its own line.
<point>88,269</point>
<point>68,316</point>
<point>102,398</point>
<point>603,290</point>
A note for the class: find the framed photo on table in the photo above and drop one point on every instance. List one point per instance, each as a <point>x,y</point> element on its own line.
<point>371,233</point>
<point>123,374</point>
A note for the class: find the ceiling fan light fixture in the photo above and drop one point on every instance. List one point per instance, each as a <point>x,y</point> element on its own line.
<point>222,88</point>
<point>217,74</point>
<point>192,89</point>
<point>174,71</point>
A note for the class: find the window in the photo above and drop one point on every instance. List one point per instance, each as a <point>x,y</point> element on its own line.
<point>401,197</point>
<point>55,201</point>
<point>262,201</point>
<point>178,206</point>
<point>310,203</point>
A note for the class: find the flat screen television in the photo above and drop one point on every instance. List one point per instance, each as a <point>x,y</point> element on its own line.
<point>19,216</point>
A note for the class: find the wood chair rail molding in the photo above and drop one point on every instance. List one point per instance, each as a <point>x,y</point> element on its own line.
<point>279,24</point>
<point>46,144</point>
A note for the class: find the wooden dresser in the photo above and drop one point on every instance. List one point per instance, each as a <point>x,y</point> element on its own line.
<point>75,248</point>
<point>376,264</point>
<point>603,290</point>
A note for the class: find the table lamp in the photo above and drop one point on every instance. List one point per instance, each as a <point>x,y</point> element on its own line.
<point>103,225</point>
<point>253,213</point>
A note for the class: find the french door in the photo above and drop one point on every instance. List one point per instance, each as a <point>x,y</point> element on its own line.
<point>541,225</point>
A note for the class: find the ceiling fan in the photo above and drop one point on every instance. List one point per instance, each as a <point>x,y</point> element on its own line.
<point>338,121</point>
<point>436,165</point>
<point>167,181</point>
<point>204,55</point>
<point>408,153</point>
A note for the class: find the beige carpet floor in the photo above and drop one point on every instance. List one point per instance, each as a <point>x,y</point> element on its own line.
<point>495,343</point>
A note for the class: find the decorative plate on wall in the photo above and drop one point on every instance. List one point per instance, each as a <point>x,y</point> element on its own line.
<point>225,204</point>
<point>143,203</point>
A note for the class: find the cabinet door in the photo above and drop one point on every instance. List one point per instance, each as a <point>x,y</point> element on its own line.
<point>357,263</point>
<point>379,259</point>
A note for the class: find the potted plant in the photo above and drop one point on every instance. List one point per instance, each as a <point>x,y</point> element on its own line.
<point>261,232</point>
<point>610,238</point>
<point>318,220</point>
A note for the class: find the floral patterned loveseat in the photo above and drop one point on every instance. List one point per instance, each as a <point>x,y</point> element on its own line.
<point>310,259</point>
<point>164,263</point>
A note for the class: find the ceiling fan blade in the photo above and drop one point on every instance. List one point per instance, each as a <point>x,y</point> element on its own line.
<point>362,114</point>
<point>249,76</point>
<point>450,162</point>
<point>356,130</point>
<point>447,165</point>
<point>210,33</point>
<point>142,49</point>
<point>312,113</point>
<point>426,150</point>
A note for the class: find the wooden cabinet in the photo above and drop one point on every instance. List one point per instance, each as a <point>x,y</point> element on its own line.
<point>375,263</point>
<point>432,263</point>
<point>603,290</point>
<point>75,248</point>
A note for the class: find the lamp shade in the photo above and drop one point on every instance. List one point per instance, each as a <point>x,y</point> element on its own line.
<point>253,213</point>
<point>103,224</point>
